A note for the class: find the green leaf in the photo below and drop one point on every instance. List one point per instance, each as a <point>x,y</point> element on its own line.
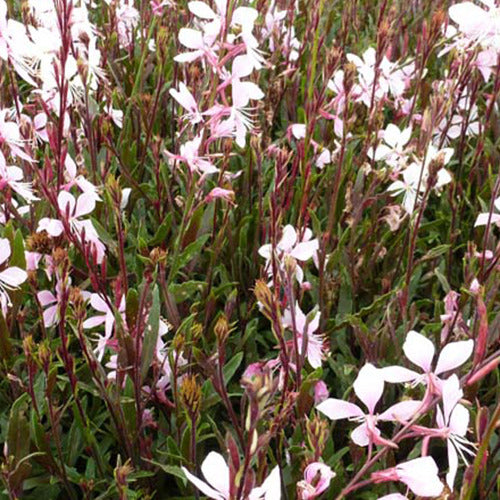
<point>18,257</point>
<point>173,470</point>
<point>18,430</point>
<point>131,308</point>
<point>151,334</point>
<point>5,346</point>
<point>230,368</point>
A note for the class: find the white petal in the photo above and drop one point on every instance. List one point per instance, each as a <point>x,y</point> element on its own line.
<point>398,374</point>
<point>459,420</point>
<point>452,464</point>
<point>454,354</point>
<point>360,435</point>
<point>369,386</point>
<point>5,250</point>
<point>192,39</point>
<point>201,10</point>
<point>216,472</point>
<point>13,277</point>
<point>421,476</point>
<point>336,409</point>
<point>419,350</point>
<point>401,412</point>
<point>202,486</point>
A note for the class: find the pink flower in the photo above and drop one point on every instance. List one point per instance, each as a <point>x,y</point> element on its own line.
<point>11,277</point>
<point>317,477</point>
<point>368,386</point>
<point>420,351</point>
<point>9,134</point>
<point>420,475</point>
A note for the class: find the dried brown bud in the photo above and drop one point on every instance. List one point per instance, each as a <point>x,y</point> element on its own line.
<point>40,242</point>
<point>60,257</point>
<point>158,256</point>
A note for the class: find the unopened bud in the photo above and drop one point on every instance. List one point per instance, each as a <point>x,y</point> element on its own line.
<point>221,329</point>
<point>190,393</point>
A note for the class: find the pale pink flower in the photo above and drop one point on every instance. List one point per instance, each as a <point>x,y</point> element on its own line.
<point>317,477</point>
<point>477,24</point>
<point>127,18</point>
<point>12,177</point>
<point>40,127</point>
<point>222,194</point>
<point>72,210</point>
<point>50,302</point>
<point>184,97</point>
<point>420,475</point>
<point>74,179</point>
<point>393,149</point>
<point>368,387</point>
<point>10,135</point>
<point>452,422</point>
<point>305,328</point>
<point>107,317</point>
<point>290,245</point>
<point>11,277</point>
<point>420,351</point>
<point>486,62</point>
<point>201,45</point>
<point>189,154</point>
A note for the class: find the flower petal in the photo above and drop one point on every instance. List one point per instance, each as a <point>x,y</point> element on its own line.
<point>202,486</point>
<point>401,412</point>
<point>369,386</point>
<point>360,435</point>
<point>454,354</point>
<point>216,472</point>
<point>336,409</point>
<point>419,350</point>
<point>398,374</point>
<point>452,464</point>
<point>12,277</point>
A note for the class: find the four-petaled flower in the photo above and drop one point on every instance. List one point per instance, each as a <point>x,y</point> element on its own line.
<point>368,386</point>
<point>420,351</point>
